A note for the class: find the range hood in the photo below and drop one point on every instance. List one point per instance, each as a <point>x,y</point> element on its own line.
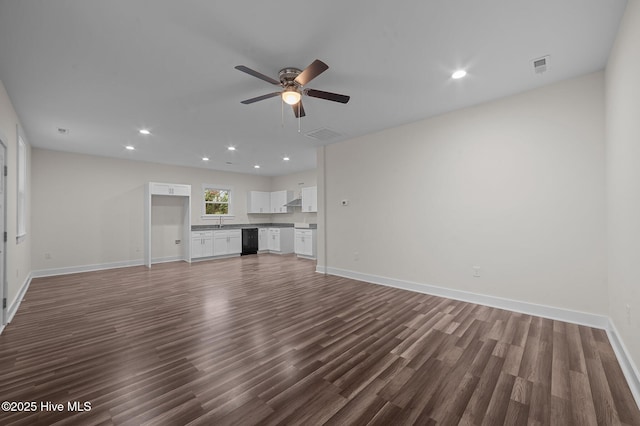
<point>294,203</point>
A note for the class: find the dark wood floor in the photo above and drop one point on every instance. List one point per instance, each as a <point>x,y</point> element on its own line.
<point>265,340</point>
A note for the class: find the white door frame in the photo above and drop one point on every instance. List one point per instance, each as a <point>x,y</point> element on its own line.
<point>3,230</point>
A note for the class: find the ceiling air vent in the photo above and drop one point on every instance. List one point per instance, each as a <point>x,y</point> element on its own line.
<point>322,134</point>
<point>541,65</point>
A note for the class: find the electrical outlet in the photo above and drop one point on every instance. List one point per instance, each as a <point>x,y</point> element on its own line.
<point>356,255</point>
<point>47,256</point>
<point>177,241</point>
<point>628,314</point>
<point>344,202</point>
<point>476,271</point>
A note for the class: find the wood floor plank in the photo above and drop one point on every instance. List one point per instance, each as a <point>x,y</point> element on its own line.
<point>265,340</point>
<point>583,409</point>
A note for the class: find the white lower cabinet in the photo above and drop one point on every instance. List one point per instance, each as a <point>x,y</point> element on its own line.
<point>201,244</point>
<point>215,243</point>
<point>227,242</point>
<point>281,240</point>
<point>263,239</point>
<point>305,243</point>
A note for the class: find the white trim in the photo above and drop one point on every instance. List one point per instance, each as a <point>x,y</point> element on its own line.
<point>627,365</point>
<point>101,266</point>
<point>85,268</point>
<point>13,307</point>
<point>216,216</point>
<point>321,269</point>
<point>551,312</point>
<point>304,256</point>
<point>167,259</point>
<point>220,256</point>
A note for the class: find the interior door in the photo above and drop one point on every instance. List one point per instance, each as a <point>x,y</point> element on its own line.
<point>3,228</point>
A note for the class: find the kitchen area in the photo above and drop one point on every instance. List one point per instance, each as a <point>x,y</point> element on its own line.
<point>221,240</point>
<point>254,222</point>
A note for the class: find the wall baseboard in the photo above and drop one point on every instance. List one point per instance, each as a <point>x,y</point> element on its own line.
<point>100,266</point>
<point>167,259</point>
<point>629,369</point>
<point>603,322</point>
<point>567,315</point>
<point>85,268</point>
<point>13,307</point>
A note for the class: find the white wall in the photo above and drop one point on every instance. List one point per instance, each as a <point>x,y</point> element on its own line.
<point>166,228</point>
<point>88,210</point>
<point>18,264</point>
<point>623,179</point>
<point>514,186</point>
<point>294,182</point>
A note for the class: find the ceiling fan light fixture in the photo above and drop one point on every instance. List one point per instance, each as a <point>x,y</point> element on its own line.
<point>458,74</point>
<point>291,96</point>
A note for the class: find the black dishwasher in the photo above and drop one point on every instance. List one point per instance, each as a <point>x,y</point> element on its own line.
<point>249,241</point>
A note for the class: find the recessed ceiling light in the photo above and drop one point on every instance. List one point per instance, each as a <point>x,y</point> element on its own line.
<point>285,159</point>
<point>144,132</point>
<point>257,166</point>
<point>231,148</point>
<point>130,148</point>
<point>205,158</point>
<point>458,74</point>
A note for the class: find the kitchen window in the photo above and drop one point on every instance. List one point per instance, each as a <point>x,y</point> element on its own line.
<point>217,200</point>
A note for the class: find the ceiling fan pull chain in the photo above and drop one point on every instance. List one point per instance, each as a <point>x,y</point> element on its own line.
<point>299,103</point>
<point>281,113</point>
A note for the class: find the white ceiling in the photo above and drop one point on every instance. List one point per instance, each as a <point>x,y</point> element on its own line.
<point>104,69</point>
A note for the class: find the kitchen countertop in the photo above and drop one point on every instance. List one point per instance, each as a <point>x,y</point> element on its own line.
<point>247,225</point>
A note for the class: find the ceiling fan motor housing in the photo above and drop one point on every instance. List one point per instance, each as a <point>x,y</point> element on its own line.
<point>288,75</point>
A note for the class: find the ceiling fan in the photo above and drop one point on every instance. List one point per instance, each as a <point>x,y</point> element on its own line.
<point>292,81</point>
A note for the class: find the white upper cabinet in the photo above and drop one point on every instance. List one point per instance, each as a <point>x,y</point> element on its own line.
<point>278,201</point>
<point>310,199</point>
<point>169,189</point>
<point>258,202</point>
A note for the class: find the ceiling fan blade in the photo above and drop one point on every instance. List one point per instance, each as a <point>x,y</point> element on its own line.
<point>311,72</point>
<point>335,97</point>
<point>298,112</point>
<point>257,74</point>
<point>260,98</point>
